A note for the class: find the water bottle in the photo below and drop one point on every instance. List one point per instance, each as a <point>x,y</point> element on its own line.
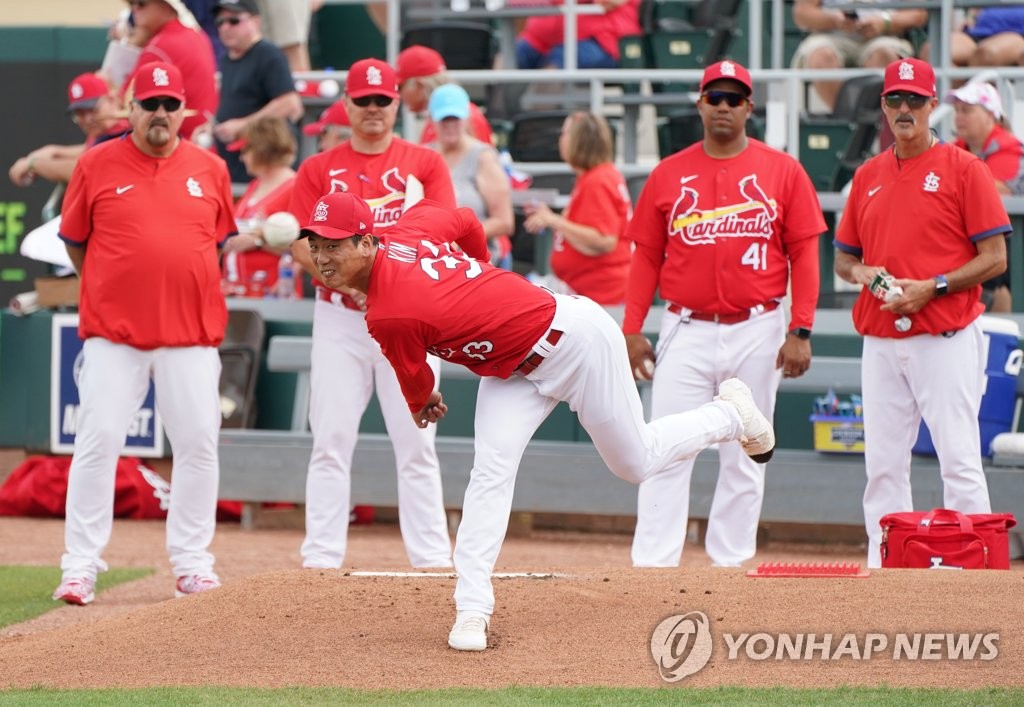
<point>285,288</point>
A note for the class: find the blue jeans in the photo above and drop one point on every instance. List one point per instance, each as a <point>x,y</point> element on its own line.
<point>589,55</point>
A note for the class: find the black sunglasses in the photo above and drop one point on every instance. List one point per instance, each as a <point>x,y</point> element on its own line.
<point>914,100</point>
<point>714,98</point>
<point>233,21</point>
<point>152,105</point>
<point>379,101</point>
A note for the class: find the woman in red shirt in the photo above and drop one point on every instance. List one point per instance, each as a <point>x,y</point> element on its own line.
<point>250,265</point>
<point>589,252</point>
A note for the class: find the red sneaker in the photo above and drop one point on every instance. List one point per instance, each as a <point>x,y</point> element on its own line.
<point>76,590</point>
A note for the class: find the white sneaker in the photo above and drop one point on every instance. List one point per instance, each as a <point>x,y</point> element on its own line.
<point>469,632</point>
<point>758,439</point>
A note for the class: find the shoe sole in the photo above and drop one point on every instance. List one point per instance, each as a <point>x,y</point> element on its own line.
<point>77,601</point>
<point>474,647</point>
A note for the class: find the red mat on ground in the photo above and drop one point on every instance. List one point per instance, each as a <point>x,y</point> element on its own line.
<point>809,569</point>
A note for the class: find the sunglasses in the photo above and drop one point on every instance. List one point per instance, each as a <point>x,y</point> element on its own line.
<point>379,101</point>
<point>152,105</point>
<point>913,100</point>
<point>233,21</point>
<point>138,3</point>
<point>714,98</point>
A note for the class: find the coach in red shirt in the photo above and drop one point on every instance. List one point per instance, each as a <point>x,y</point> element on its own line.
<point>143,218</point>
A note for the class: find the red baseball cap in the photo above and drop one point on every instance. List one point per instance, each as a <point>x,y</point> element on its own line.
<point>911,75</point>
<point>371,77</point>
<point>85,90</point>
<point>335,114</point>
<point>417,61</point>
<point>158,78</point>
<point>727,70</point>
<point>339,215</point>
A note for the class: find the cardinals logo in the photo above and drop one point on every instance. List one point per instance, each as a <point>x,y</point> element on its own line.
<point>386,209</point>
<point>752,217</point>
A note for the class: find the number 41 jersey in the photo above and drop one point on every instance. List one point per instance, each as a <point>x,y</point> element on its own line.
<point>724,225</point>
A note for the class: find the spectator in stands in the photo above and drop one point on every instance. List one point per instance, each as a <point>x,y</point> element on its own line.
<point>170,33</point>
<point>982,130</point>
<point>205,12</point>
<point>286,24</point>
<point>541,43</point>
<point>420,70</point>
<point>332,129</point>
<point>589,252</point>
<point>480,181</point>
<point>869,38</point>
<point>268,148</point>
<point>988,36</point>
<point>255,80</point>
<point>94,110</point>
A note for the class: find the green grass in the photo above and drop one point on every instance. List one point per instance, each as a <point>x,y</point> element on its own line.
<point>26,590</point>
<point>669,695</point>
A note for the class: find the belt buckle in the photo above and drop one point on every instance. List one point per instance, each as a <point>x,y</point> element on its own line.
<point>716,319</point>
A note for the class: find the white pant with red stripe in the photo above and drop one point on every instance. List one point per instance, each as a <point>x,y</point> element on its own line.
<point>942,380</point>
<point>112,385</point>
<point>347,365</point>
<point>692,359</point>
<point>589,369</point>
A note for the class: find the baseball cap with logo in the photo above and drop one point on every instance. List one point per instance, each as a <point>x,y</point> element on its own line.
<point>339,215</point>
<point>727,70</point>
<point>249,6</point>
<point>335,114</point>
<point>85,90</point>
<point>448,101</point>
<point>911,75</point>
<point>371,77</point>
<point>978,94</point>
<point>416,61</point>
<point>158,79</point>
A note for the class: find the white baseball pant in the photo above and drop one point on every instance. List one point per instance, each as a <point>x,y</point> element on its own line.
<point>112,385</point>
<point>693,358</point>
<point>942,380</point>
<point>346,365</point>
<point>589,369</point>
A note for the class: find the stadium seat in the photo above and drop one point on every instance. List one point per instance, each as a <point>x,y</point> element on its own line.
<point>240,355</point>
<point>534,136</point>
<point>464,45</point>
<point>826,142</point>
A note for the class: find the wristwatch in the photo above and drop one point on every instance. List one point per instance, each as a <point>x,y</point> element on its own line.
<point>801,333</point>
<point>941,285</point>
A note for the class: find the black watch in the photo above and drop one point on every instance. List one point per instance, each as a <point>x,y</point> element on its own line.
<point>941,285</point>
<point>801,333</point>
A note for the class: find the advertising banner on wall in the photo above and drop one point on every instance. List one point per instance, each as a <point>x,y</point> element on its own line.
<point>145,433</point>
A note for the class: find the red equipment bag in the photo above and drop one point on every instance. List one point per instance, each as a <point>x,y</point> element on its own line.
<point>946,538</point>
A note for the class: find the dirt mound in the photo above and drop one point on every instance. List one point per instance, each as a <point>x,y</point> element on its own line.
<point>583,627</point>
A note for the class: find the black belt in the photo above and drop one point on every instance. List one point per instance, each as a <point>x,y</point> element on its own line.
<point>731,318</point>
<point>530,363</point>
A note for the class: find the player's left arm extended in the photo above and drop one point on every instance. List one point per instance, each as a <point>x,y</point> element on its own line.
<point>989,262</point>
<point>404,347</point>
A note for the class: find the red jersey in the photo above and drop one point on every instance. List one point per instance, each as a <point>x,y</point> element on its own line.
<point>151,227</point>
<point>425,297</point>
<point>545,32</point>
<point>1003,154</point>
<point>721,235</point>
<point>239,268</point>
<point>478,128</point>
<point>192,52</point>
<point>919,218</point>
<point>379,179</point>
<point>601,200</point>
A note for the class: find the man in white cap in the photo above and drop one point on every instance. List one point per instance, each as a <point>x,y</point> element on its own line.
<point>981,130</point>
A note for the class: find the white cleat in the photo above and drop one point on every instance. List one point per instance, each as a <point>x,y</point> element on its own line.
<point>469,632</point>
<point>758,439</point>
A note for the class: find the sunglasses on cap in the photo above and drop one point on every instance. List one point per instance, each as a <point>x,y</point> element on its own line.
<point>152,105</point>
<point>379,101</point>
<point>913,100</point>
<point>714,98</point>
<point>233,21</point>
